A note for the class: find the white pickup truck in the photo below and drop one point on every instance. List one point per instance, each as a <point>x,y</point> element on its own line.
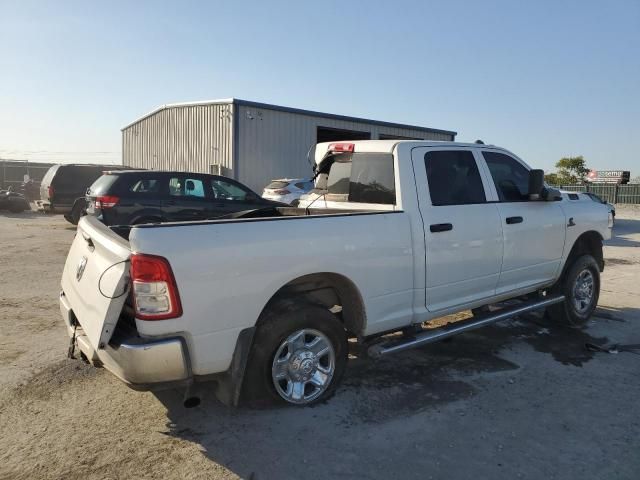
<point>264,302</point>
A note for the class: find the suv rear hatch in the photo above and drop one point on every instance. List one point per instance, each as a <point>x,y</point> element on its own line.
<point>95,279</point>
<point>45,183</point>
<point>100,194</point>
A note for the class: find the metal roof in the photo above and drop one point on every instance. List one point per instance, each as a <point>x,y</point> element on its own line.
<point>299,111</point>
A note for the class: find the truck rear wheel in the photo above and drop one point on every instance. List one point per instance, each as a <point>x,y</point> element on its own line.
<point>581,287</point>
<point>299,355</point>
<point>78,210</point>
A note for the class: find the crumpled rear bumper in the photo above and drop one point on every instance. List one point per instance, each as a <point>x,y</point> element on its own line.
<point>142,363</point>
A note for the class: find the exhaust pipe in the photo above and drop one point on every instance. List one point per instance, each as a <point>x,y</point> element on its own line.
<point>191,397</point>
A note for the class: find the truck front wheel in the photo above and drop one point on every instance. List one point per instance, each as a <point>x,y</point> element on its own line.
<point>299,355</point>
<point>581,287</point>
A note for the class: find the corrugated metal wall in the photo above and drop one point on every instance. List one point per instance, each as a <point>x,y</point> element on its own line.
<point>274,144</point>
<point>271,143</point>
<point>190,138</point>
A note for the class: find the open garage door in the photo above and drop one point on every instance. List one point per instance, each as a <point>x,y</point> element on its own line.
<point>326,134</point>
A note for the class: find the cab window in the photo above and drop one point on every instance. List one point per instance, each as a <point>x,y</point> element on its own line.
<point>362,178</point>
<point>510,177</point>
<point>453,178</point>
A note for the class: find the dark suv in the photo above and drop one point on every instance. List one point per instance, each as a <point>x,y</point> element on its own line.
<point>63,188</point>
<point>132,197</point>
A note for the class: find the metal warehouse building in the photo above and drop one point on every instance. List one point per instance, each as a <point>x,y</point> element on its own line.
<point>249,141</point>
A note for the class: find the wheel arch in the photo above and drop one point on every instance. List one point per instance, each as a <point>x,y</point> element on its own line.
<point>328,290</point>
<point>589,242</point>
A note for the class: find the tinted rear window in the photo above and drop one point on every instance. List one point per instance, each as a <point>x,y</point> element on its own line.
<point>362,178</point>
<point>74,177</point>
<point>102,185</point>
<point>146,185</point>
<point>453,178</point>
<point>275,185</point>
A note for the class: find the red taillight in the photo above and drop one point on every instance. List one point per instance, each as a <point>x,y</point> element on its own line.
<point>50,192</point>
<point>282,191</point>
<point>154,287</point>
<point>106,201</point>
<point>342,147</point>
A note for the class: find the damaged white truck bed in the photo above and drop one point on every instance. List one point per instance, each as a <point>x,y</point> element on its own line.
<point>399,233</point>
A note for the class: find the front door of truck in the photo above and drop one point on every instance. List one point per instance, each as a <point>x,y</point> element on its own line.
<point>534,231</point>
<point>463,234</point>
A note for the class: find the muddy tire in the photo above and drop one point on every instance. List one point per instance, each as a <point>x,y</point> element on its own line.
<point>298,356</point>
<point>79,209</point>
<point>580,285</point>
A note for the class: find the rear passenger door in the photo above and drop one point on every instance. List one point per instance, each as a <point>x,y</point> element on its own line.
<point>462,231</point>
<point>534,231</point>
<point>187,198</point>
<point>141,197</point>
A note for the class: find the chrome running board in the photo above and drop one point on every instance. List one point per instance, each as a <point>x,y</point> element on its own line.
<point>451,329</point>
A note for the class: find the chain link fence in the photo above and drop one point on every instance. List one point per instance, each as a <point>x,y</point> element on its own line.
<point>12,172</point>
<point>612,193</point>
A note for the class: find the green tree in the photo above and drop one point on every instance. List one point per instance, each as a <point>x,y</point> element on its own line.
<point>551,178</point>
<point>571,170</point>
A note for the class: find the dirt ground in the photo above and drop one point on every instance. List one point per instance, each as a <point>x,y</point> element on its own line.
<point>522,399</point>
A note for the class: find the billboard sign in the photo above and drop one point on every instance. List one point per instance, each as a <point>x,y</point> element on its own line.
<point>608,176</point>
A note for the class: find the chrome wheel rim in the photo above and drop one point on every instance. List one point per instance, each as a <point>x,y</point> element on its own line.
<point>583,290</point>
<point>303,366</point>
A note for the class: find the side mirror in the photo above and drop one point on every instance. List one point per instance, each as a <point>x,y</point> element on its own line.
<point>536,184</point>
<point>551,194</point>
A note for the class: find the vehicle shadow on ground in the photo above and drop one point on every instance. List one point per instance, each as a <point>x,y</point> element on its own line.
<point>25,214</point>
<point>283,442</point>
<point>623,228</point>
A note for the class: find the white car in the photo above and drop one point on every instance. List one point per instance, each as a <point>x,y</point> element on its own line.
<point>264,303</point>
<point>598,199</point>
<point>287,190</point>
